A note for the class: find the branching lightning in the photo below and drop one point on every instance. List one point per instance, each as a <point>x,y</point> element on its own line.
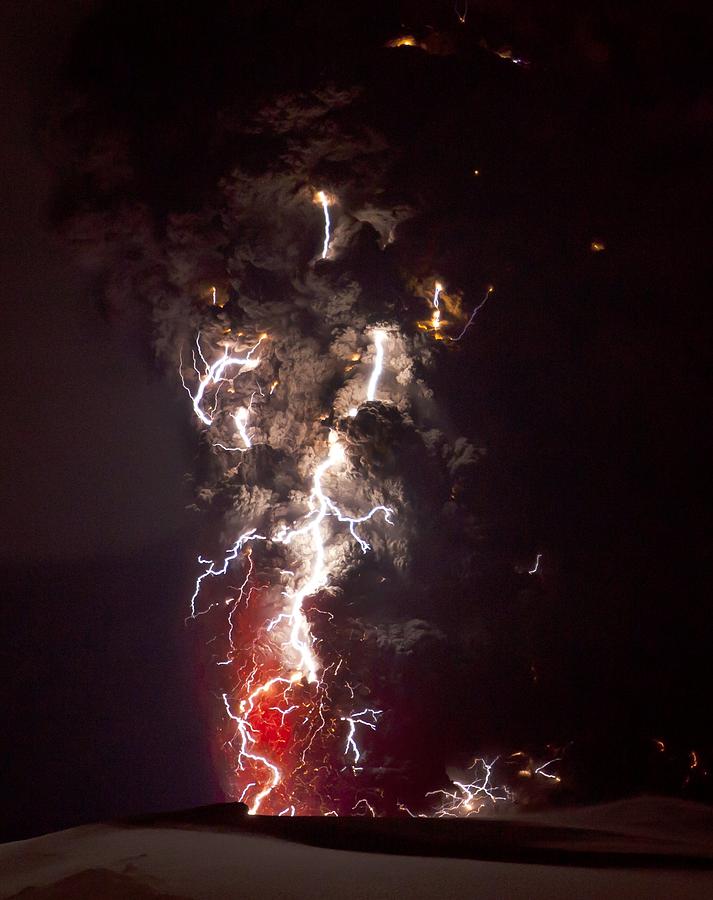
<point>475,312</point>
<point>241,420</point>
<point>214,375</point>
<point>291,698</point>
<point>469,799</point>
<point>379,337</point>
<point>290,709</point>
<point>540,770</point>
<point>366,717</point>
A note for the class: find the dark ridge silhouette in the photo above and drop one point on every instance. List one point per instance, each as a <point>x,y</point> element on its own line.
<point>485,839</point>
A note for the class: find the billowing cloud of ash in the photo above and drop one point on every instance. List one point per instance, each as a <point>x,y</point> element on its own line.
<point>336,476</point>
<point>198,156</point>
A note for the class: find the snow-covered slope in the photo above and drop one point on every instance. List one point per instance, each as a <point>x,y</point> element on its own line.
<point>202,856</point>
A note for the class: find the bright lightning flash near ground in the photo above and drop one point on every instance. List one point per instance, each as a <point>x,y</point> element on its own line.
<point>294,726</point>
<point>281,710</point>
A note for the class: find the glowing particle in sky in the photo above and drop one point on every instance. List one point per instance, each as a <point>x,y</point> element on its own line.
<point>597,246</point>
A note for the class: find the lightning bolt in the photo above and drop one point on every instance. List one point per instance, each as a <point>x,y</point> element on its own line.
<point>283,709</point>
<point>355,719</point>
<point>469,799</point>
<point>321,197</point>
<point>241,420</point>
<point>379,338</point>
<point>536,567</point>
<point>541,769</point>
<point>475,312</point>
<point>436,319</point>
<point>285,677</point>
<point>214,375</point>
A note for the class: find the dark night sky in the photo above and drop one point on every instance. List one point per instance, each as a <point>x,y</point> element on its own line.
<point>101,710</point>
<point>585,381</point>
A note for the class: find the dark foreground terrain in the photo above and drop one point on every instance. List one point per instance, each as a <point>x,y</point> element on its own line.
<point>648,847</point>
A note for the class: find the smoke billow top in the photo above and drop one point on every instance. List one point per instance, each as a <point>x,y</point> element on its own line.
<point>291,300</point>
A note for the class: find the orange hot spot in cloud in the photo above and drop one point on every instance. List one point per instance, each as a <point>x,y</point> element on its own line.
<point>322,197</point>
<point>404,40</point>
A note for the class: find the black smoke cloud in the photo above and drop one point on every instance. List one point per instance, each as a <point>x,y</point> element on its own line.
<point>193,145</point>
<point>251,241</point>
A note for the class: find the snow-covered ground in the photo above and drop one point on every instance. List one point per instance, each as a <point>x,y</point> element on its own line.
<point>183,857</point>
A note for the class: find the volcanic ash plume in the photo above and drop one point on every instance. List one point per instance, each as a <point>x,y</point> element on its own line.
<point>280,309</point>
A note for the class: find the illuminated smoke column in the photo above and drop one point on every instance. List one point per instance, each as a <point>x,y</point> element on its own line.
<point>294,399</point>
<point>284,313</point>
<point>288,676</point>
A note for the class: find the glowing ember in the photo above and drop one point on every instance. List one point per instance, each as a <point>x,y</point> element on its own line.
<point>404,40</point>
